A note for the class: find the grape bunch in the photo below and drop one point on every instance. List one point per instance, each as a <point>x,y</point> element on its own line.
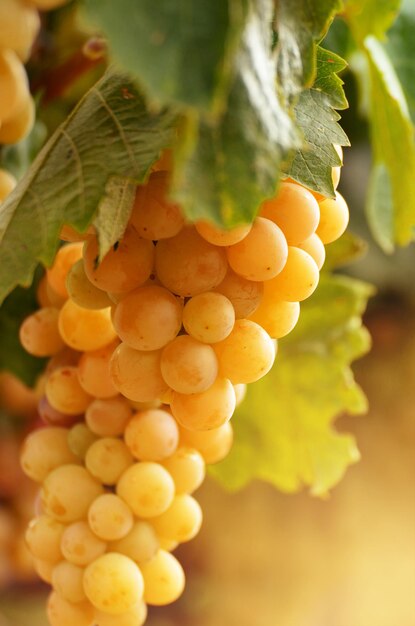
<point>20,25</point>
<point>151,350</point>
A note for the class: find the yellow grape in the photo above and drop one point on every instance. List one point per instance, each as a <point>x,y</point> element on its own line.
<point>209,317</point>
<point>299,278</point>
<point>7,183</point>
<point>147,488</point>
<point>187,468</point>
<point>315,248</point>
<point>85,329</point>
<point>113,583</point>
<point>39,332</point>
<point>64,392</point>
<point>13,82</point>
<point>276,316</point>
<point>68,492</point>
<point>245,295</point>
<point>240,393</point>
<point>136,616</point>
<point>334,217</point>
<point>43,569</point>
<point>67,581</point>
<point>262,254</point>
<point>94,372</point>
<point>107,458</point>
<point>141,543</point>
<point>110,518</point>
<point>295,210</point>
<point>44,450</point>
<point>80,545</point>
<point>43,538</point>
<point>188,366</point>
<point>164,579</point>
<point>60,612</point>
<point>152,435</point>
<point>109,417</point>
<point>247,354</point>
<point>214,445</point>
<point>65,257</point>
<point>136,374</point>
<point>82,291</point>
<point>126,266</point>
<point>69,233</point>
<point>168,544</point>
<point>206,410</point>
<point>187,264</point>
<point>20,25</point>
<point>19,126</point>
<point>80,438</point>
<point>148,318</point>
<point>182,520</point>
<point>220,236</point>
<point>153,215</point>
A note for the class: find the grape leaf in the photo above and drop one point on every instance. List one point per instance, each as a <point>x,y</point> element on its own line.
<point>190,45</point>
<point>371,16</point>
<point>299,24</point>
<point>111,133</point>
<point>312,164</point>
<point>327,80</point>
<point>235,162</point>
<point>284,431</point>
<point>344,251</point>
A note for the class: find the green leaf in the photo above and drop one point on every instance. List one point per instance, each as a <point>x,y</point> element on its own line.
<point>344,251</point>
<point>235,162</point>
<point>299,24</point>
<point>379,207</point>
<point>284,431</point>
<point>179,51</point>
<point>111,133</point>
<point>371,17</point>
<point>312,164</point>
<point>327,81</point>
<point>13,358</point>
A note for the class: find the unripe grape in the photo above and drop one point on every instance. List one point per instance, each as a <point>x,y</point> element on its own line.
<point>65,257</point>
<point>80,438</point>
<point>82,291</point>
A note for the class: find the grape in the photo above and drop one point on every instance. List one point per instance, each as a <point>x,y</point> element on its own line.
<point>94,372</point>
<point>245,295</point>
<point>113,583</point>
<point>67,581</point>
<point>148,318</point>
<point>109,417</point>
<point>44,450</point>
<point>188,366</point>
<point>136,616</point>
<point>52,417</point>
<point>82,291</point>
<point>107,458</point>
<point>136,374</point>
<point>187,264</point>
<point>298,279</point>
<point>206,410</point>
<point>68,492</point>
<point>276,316</point>
<point>315,248</point>
<point>63,613</point>
<point>20,25</point>
<point>69,233</point>
<point>140,544</point>
<point>7,183</point>
<point>294,210</point>
<point>80,438</point>
<point>214,445</point>
<point>43,569</point>
<point>126,266</point>
<point>66,356</point>
<point>163,579</point>
<point>64,392</point>
<point>168,544</point>
<point>110,518</point>
<point>66,256</point>
<point>154,216</point>
<point>262,254</point>
<point>220,236</point>
<point>247,354</point>
<point>80,545</point>
<point>147,488</point>
<point>209,317</point>
<point>43,537</point>
<point>85,329</point>
<point>39,333</point>
<point>152,435</point>
<point>334,217</point>
<point>187,468</point>
<point>19,126</point>
<point>182,520</point>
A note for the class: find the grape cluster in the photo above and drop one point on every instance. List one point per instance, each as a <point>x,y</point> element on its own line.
<point>151,350</point>
<point>20,24</point>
